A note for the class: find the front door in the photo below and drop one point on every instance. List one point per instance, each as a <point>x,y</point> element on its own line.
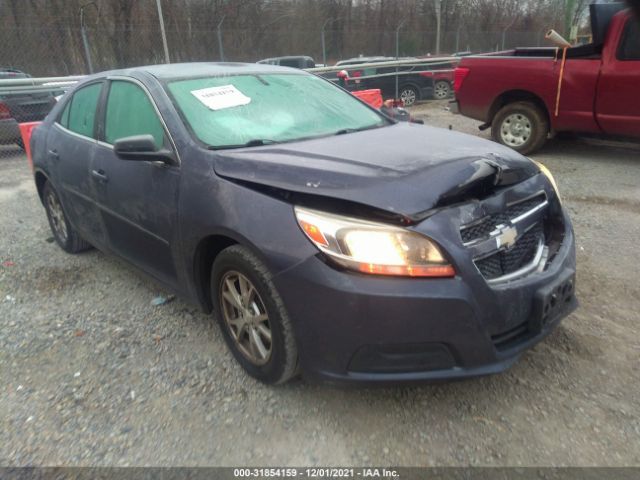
<point>618,103</point>
<point>138,199</point>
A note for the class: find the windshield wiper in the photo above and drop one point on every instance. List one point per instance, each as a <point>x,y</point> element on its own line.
<point>256,142</point>
<point>352,130</point>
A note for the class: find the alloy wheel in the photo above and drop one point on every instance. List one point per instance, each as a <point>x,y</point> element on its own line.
<point>408,96</point>
<point>441,90</point>
<point>57,216</point>
<point>246,317</point>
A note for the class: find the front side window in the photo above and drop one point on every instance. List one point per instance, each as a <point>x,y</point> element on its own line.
<point>82,110</point>
<point>231,111</point>
<point>630,45</point>
<point>130,112</point>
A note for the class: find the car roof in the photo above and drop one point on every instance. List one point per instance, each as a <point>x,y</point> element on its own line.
<point>363,60</point>
<point>288,57</point>
<point>199,69</point>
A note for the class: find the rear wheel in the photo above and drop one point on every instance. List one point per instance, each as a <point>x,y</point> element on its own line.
<point>64,234</point>
<point>408,95</point>
<point>441,90</point>
<point>252,316</point>
<point>522,126</point>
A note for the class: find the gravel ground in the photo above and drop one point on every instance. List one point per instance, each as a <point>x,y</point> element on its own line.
<point>94,374</point>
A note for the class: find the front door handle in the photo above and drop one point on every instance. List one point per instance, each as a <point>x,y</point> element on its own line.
<point>99,175</point>
<point>54,154</point>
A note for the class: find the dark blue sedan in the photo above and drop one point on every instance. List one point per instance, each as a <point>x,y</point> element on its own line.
<point>325,237</point>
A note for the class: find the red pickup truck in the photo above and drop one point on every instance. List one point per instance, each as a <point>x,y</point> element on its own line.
<point>519,93</point>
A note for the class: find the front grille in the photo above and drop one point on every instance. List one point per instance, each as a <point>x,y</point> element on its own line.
<point>482,229</point>
<point>513,259</point>
<point>505,261</point>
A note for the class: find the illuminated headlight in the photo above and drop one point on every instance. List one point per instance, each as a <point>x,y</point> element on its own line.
<point>547,173</point>
<point>371,247</point>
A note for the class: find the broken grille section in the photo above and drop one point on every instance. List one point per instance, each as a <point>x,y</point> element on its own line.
<point>505,261</point>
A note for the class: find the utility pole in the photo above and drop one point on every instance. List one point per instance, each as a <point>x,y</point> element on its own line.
<point>438,7</point>
<point>219,33</point>
<point>569,11</point>
<point>85,40</point>
<point>164,34</point>
<point>400,25</point>
<point>324,49</point>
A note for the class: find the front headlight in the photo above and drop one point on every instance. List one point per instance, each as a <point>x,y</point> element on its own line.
<point>371,247</point>
<point>547,173</point>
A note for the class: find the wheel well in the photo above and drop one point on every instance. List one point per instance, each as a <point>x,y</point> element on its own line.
<point>41,179</point>
<point>516,96</point>
<point>206,252</point>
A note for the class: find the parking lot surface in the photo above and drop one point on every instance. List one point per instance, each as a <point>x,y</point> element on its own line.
<point>93,373</point>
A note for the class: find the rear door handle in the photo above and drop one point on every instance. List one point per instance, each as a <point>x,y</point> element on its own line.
<point>100,176</point>
<point>54,154</point>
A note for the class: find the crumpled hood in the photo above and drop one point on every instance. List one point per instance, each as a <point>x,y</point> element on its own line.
<point>404,168</point>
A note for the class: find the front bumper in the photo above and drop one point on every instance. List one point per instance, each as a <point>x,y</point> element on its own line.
<point>359,328</point>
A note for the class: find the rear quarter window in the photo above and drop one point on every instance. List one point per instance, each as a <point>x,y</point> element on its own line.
<point>630,44</point>
<point>82,110</point>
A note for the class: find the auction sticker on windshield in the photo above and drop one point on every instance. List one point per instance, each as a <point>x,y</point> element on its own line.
<point>217,98</point>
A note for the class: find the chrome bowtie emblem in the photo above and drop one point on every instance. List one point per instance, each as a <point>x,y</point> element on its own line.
<point>506,236</point>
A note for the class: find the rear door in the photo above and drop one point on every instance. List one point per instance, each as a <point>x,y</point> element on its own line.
<point>70,149</point>
<point>138,199</point>
<point>618,102</point>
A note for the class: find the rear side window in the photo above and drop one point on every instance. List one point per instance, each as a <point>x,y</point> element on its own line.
<point>130,112</point>
<point>630,45</point>
<point>82,110</point>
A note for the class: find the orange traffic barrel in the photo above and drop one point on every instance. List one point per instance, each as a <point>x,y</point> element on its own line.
<point>373,97</point>
<point>26,129</point>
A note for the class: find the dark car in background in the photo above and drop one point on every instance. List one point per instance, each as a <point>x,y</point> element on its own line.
<point>412,87</point>
<point>294,61</point>
<point>284,205</point>
<point>20,105</point>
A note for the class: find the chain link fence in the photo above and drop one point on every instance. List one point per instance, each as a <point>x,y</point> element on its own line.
<point>58,51</point>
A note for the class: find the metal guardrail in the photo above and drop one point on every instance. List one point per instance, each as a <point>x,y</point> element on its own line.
<point>395,63</point>
<point>47,84</point>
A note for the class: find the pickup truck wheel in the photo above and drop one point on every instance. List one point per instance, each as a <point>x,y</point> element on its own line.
<point>441,90</point>
<point>64,234</point>
<point>252,316</point>
<point>521,126</point>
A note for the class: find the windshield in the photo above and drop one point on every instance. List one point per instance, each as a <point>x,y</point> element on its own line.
<point>243,110</point>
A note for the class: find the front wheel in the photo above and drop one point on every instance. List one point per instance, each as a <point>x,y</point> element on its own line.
<point>252,316</point>
<point>63,232</point>
<point>441,90</point>
<point>523,126</point>
<point>408,95</point>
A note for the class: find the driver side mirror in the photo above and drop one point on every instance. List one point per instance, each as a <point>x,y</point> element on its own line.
<point>143,148</point>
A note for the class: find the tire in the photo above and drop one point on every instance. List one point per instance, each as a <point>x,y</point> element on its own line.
<point>231,266</point>
<point>64,234</point>
<point>441,90</point>
<point>522,126</point>
<point>409,95</point>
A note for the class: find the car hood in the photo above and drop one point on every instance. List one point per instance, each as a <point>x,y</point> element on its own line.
<point>405,168</point>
